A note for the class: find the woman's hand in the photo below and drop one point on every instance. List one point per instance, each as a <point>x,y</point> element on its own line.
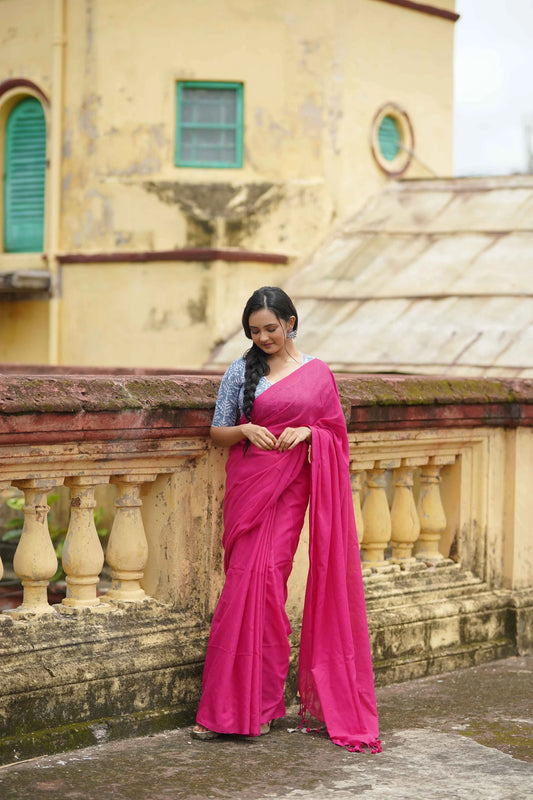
<point>259,436</point>
<point>293,436</point>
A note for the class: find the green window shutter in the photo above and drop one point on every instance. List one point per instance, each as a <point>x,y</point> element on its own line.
<point>25,167</point>
<point>209,125</point>
<point>389,138</point>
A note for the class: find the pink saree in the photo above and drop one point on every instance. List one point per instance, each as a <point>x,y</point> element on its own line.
<point>266,497</point>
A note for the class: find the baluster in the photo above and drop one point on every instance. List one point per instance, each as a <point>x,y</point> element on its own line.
<point>35,560</point>
<point>376,515</point>
<point>356,476</point>
<point>405,526</point>
<point>83,557</point>
<point>430,510</point>
<point>127,549</point>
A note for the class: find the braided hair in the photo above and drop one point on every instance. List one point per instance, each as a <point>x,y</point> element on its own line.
<point>256,361</point>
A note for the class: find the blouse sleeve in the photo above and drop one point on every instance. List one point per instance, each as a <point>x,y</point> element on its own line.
<point>227,410</point>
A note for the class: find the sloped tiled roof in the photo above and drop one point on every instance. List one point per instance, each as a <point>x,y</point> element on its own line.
<point>432,276</point>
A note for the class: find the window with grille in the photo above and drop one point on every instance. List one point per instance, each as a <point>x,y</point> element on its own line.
<point>24,182</point>
<point>209,124</point>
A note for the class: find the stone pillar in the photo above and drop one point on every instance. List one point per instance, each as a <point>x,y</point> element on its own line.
<point>376,515</point>
<point>35,560</point>
<point>127,549</point>
<point>83,557</point>
<point>405,526</point>
<point>430,510</point>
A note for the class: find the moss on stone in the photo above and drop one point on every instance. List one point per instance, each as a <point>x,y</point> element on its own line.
<point>413,390</point>
<point>162,398</point>
<point>28,395</point>
<point>76,735</point>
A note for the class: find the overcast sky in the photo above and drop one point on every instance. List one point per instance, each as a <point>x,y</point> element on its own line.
<point>493,86</point>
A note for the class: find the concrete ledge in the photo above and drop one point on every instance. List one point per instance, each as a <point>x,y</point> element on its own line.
<point>441,620</point>
<point>52,408</point>
<point>450,660</point>
<point>132,669</point>
<point>79,734</point>
<point>461,735</point>
<point>69,680</point>
<point>521,609</point>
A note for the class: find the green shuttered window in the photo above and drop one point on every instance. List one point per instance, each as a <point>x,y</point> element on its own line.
<point>25,167</point>
<point>209,124</point>
<point>389,138</point>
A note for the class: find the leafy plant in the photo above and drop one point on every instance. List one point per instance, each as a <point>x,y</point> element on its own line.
<point>57,534</point>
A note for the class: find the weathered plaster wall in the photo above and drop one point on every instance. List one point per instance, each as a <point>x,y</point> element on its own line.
<point>517,559</point>
<point>24,331</point>
<point>155,314</point>
<point>314,76</point>
<point>182,514</point>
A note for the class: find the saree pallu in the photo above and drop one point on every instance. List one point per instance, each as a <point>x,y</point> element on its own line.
<point>267,493</point>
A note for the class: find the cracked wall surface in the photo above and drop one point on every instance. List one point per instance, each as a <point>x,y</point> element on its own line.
<point>313,79</point>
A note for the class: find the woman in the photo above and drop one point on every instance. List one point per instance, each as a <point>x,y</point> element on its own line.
<point>275,408</point>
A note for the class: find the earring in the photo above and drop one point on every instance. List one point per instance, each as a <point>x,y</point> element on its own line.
<point>291,334</point>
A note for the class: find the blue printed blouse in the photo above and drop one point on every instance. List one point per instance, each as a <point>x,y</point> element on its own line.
<point>228,409</point>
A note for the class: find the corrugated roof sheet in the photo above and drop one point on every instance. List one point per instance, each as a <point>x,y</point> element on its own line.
<point>430,277</point>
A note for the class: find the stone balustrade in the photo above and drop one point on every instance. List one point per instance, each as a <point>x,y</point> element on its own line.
<point>408,532</point>
<point>400,534</point>
<point>424,494</point>
<point>441,474</point>
<point>35,560</point>
<point>126,554</point>
<point>396,471</point>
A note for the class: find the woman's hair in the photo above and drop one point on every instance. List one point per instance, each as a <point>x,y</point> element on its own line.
<point>281,305</point>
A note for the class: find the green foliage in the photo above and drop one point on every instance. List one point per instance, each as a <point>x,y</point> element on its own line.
<point>57,534</point>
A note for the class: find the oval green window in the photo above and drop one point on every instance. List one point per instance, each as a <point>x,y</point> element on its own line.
<point>389,138</point>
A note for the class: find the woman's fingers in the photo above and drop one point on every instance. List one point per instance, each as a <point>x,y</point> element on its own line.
<point>262,438</point>
<point>291,437</point>
<point>265,440</point>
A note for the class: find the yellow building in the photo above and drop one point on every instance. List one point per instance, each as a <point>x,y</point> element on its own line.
<point>163,159</point>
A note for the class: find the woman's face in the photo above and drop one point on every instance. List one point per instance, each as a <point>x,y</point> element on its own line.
<point>268,332</point>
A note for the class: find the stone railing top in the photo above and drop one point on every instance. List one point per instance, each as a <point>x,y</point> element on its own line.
<point>413,401</point>
<point>57,407</point>
<point>21,394</point>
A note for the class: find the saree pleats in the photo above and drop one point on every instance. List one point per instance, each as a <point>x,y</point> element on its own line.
<point>266,497</point>
<point>248,653</point>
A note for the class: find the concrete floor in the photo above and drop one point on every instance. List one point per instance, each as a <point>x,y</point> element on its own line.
<point>466,735</point>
